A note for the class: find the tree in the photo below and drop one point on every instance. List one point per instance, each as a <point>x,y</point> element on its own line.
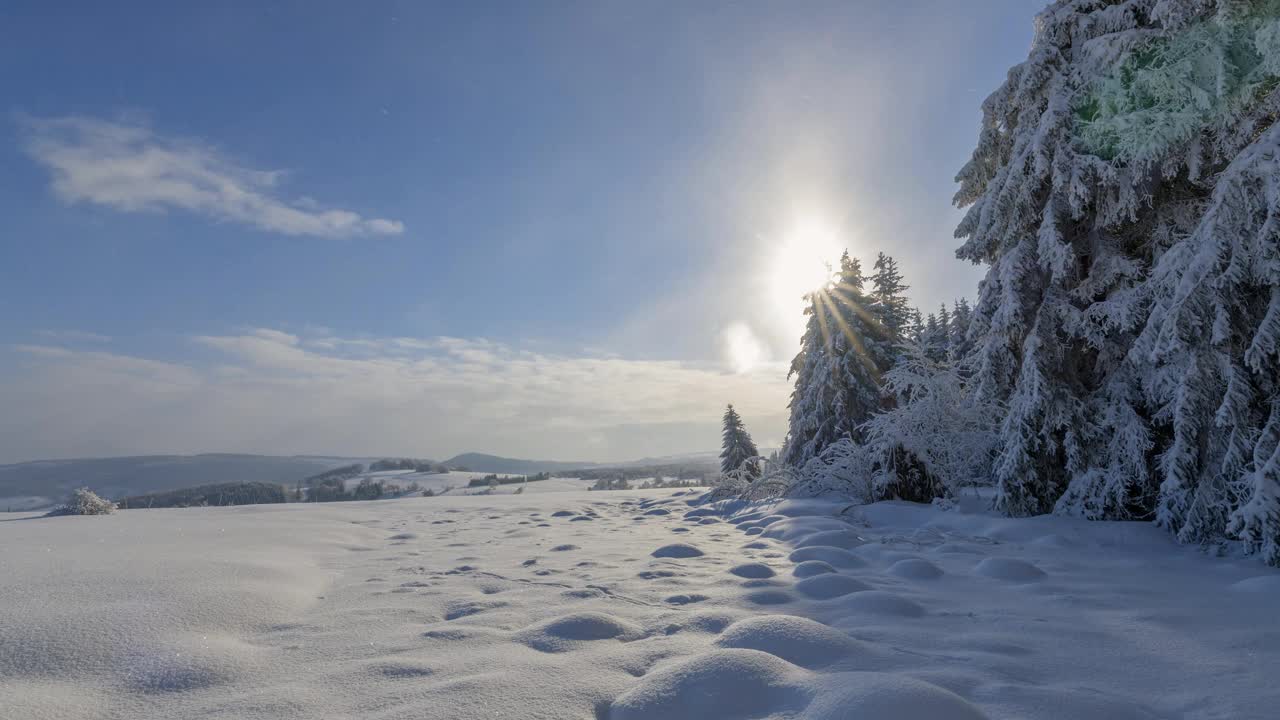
<point>737,446</point>
<point>1124,194</point>
<point>889,301</point>
<point>935,339</point>
<point>84,501</point>
<point>938,438</point>
<point>844,352</point>
<point>960,345</point>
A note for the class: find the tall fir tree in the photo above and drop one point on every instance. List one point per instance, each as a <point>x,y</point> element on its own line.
<point>961,345</point>
<point>890,301</point>
<point>838,371</point>
<point>915,326</point>
<point>736,446</point>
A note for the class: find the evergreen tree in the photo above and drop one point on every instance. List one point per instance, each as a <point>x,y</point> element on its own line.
<point>936,337</point>
<point>1125,196</point>
<point>843,355</point>
<point>737,446</point>
<point>915,326</point>
<point>890,302</point>
<point>960,345</point>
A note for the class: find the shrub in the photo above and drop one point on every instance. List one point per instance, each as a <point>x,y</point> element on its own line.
<point>85,502</point>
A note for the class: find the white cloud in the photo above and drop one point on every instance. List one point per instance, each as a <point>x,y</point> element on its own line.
<point>273,392</point>
<point>129,167</point>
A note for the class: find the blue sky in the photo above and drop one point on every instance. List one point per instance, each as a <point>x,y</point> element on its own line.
<point>533,228</point>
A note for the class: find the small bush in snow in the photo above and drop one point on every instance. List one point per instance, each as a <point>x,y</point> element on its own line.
<point>85,502</point>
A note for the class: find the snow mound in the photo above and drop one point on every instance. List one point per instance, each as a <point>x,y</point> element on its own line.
<point>720,685</point>
<point>770,597</point>
<point>827,586</point>
<point>839,557</point>
<point>881,696</point>
<point>797,640</point>
<point>809,568</point>
<point>915,569</point>
<point>1261,584</point>
<point>1010,569</point>
<point>565,632</point>
<point>755,571</point>
<point>798,527</point>
<point>833,538</point>
<point>190,663</point>
<point>710,622</point>
<point>879,602</point>
<point>677,550</point>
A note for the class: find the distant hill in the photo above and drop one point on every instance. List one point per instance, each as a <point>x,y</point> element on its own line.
<point>479,462</point>
<point>45,482</point>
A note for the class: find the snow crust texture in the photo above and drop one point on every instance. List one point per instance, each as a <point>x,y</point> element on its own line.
<point>508,606</point>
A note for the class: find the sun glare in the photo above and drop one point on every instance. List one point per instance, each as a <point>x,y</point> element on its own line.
<point>743,348</point>
<point>800,264</point>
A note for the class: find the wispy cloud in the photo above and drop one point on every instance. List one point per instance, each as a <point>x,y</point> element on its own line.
<point>131,168</point>
<point>275,392</point>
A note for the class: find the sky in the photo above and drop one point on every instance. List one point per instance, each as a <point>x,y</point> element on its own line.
<point>552,230</point>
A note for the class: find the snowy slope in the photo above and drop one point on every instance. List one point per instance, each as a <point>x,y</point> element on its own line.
<point>624,605</point>
<point>457,482</point>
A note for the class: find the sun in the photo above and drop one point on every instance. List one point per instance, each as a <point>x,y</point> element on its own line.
<point>800,264</point>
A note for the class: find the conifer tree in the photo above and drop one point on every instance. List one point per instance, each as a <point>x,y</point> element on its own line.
<point>890,302</point>
<point>844,354</point>
<point>960,345</point>
<point>737,447</point>
<point>1126,197</point>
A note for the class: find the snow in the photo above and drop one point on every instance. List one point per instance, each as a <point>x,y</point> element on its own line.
<point>514,606</point>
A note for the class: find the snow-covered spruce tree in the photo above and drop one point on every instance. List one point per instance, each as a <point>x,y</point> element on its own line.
<point>888,293</point>
<point>935,339</point>
<point>1124,194</point>
<point>838,370</point>
<point>959,345</point>
<point>737,447</point>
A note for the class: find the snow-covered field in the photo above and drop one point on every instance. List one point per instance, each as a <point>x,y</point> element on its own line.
<point>624,605</point>
<point>457,482</point>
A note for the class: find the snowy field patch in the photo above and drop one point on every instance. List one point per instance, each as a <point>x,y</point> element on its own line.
<point>513,607</point>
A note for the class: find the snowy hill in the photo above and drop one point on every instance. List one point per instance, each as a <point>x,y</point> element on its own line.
<point>625,605</point>
<point>44,482</point>
<point>481,462</point>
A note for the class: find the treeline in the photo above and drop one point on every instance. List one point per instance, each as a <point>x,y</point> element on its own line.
<point>219,494</point>
<point>494,479</point>
<point>652,483</point>
<point>680,471</point>
<point>1122,360</point>
<point>336,490</point>
<point>422,466</point>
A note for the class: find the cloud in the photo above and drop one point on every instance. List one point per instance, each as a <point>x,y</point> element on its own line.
<point>273,392</point>
<point>129,167</point>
